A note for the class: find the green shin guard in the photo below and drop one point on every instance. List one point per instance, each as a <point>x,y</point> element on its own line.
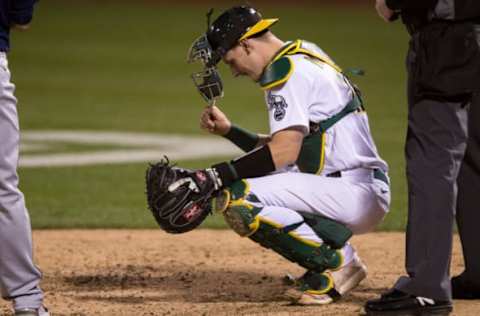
<point>241,214</point>
<point>310,255</point>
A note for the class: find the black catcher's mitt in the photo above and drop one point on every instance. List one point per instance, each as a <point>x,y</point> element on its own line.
<point>178,198</point>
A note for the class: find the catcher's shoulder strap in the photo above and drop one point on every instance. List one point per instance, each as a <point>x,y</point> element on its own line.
<point>352,106</point>
<point>281,67</point>
<point>276,73</point>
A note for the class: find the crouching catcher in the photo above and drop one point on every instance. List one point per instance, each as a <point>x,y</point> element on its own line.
<point>303,189</point>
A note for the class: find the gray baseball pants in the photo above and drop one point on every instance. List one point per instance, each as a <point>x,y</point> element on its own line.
<point>435,148</point>
<point>19,277</point>
<point>468,207</point>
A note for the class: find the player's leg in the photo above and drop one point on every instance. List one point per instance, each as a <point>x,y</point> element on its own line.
<point>435,146</point>
<point>358,202</point>
<point>467,285</point>
<point>19,277</point>
<point>321,283</point>
<point>315,243</point>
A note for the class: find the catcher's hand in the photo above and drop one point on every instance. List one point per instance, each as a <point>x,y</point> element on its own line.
<point>214,121</point>
<point>178,198</point>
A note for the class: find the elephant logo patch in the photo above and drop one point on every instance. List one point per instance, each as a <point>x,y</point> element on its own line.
<point>278,104</point>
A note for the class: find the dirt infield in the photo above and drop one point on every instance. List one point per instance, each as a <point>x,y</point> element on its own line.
<point>204,272</point>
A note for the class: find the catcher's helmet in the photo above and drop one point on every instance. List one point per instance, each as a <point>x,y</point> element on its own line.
<point>234,25</point>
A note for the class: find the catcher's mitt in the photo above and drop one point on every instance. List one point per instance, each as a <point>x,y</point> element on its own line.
<point>178,198</point>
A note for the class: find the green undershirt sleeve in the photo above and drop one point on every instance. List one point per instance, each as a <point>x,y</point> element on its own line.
<point>242,138</point>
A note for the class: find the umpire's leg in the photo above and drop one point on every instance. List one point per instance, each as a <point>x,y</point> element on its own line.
<point>436,142</point>
<point>468,209</point>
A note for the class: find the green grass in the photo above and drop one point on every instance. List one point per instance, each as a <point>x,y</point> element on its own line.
<point>121,66</point>
<point>94,197</point>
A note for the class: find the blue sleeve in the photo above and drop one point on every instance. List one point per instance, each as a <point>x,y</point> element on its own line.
<point>21,11</point>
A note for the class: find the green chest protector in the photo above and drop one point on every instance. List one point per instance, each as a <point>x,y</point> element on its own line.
<point>312,154</point>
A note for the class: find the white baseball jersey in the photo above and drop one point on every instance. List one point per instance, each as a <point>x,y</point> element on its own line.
<point>301,90</point>
<point>314,92</point>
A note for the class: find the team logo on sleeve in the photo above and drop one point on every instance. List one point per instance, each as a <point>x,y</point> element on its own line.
<point>278,104</point>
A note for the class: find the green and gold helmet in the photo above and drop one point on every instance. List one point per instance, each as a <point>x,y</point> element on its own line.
<point>234,25</point>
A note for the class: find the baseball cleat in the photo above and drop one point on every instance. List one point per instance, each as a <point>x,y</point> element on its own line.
<point>315,288</point>
<point>398,303</point>
<point>42,311</point>
<point>464,289</point>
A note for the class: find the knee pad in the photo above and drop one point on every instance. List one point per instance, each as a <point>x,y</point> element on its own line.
<point>241,209</point>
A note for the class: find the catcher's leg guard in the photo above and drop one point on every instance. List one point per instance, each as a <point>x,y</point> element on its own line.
<point>242,212</point>
<point>308,254</point>
<point>239,208</point>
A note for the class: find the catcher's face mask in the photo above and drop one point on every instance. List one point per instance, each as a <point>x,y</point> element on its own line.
<point>207,81</point>
<point>232,26</point>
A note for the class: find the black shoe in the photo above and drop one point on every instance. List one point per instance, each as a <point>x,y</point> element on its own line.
<point>463,289</point>
<point>399,303</point>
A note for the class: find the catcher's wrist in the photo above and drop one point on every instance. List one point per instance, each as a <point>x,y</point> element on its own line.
<point>254,164</point>
<point>214,176</point>
<point>224,130</point>
<point>226,173</point>
<point>244,139</point>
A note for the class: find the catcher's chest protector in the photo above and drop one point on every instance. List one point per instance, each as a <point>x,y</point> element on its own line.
<point>312,155</point>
